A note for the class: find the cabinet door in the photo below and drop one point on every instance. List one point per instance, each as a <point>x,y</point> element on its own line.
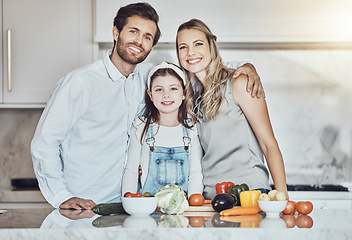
<point>44,46</point>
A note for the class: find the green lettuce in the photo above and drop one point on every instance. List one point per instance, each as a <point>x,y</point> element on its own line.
<point>172,199</point>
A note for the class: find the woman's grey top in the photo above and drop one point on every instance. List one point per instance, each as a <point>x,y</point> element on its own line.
<point>231,150</point>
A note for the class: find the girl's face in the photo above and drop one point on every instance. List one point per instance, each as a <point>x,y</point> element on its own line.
<point>193,51</point>
<point>167,94</point>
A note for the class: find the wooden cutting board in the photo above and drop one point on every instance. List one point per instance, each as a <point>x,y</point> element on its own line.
<point>203,208</point>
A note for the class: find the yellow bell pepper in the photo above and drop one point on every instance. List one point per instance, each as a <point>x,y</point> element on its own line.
<point>250,198</point>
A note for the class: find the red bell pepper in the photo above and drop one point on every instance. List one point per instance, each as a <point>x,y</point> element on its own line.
<point>223,187</point>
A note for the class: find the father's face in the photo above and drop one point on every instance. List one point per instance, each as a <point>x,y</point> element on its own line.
<point>135,41</point>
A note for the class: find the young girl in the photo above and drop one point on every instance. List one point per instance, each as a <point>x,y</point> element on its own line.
<point>234,128</point>
<point>164,142</point>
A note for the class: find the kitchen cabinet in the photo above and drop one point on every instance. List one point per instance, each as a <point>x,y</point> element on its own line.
<point>41,41</point>
<point>251,21</point>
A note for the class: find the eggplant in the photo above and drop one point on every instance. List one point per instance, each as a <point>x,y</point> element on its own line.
<point>223,201</point>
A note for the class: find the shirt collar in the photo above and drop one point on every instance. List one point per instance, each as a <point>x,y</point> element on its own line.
<point>113,72</point>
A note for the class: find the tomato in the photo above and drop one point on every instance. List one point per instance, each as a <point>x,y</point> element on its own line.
<point>128,194</point>
<point>304,207</point>
<point>196,200</point>
<point>290,208</point>
<point>304,221</point>
<point>289,220</point>
<point>196,221</point>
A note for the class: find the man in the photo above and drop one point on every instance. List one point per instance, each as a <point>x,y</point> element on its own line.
<point>80,144</point>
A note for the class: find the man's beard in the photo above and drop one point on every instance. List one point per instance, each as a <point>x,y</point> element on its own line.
<point>121,49</point>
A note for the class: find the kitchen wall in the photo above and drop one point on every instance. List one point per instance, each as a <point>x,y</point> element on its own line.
<point>16,132</point>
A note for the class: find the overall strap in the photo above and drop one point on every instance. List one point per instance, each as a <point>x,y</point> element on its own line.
<point>150,137</point>
<point>186,139</point>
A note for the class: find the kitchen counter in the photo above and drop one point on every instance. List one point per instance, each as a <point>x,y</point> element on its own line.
<point>21,196</point>
<point>47,223</point>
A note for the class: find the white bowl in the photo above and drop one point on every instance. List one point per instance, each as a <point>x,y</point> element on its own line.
<point>272,208</point>
<point>139,206</point>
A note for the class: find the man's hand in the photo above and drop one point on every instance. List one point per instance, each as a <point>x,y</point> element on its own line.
<point>76,214</point>
<point>254,84</point>
<point>77,203</point>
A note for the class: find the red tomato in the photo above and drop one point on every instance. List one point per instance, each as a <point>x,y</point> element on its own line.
<point>196,200</point>
<point>289,220</point>
<point>290,207</point>
<point>128,194</point>
<point>304,221</point>
<point>304,207</point>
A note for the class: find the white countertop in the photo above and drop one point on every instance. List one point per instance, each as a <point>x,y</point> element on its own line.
<point>49,223</point>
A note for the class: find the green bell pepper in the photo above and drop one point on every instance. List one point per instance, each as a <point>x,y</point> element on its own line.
<point>236,190</point>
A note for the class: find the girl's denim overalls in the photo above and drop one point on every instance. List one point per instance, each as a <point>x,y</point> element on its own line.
<point>166,164</point>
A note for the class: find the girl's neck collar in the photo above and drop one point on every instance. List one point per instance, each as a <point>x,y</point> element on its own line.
<point>167,123</point>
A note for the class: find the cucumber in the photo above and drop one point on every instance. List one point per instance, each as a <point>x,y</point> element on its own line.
<point>109,208</point>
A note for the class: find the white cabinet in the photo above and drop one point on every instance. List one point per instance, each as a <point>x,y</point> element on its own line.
<point>249,21</point>
<point>48,39</point>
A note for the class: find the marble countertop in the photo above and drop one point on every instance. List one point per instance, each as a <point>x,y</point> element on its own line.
<point>47,223</point>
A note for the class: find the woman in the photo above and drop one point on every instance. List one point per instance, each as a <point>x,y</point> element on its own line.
<point>234,128</point>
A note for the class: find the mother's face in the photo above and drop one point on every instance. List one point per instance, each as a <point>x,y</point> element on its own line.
<point>193,51</point>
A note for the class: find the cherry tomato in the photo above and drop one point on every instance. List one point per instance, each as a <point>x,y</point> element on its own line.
<point>128,194</point>
<point>290,207</point>
<point>196,221</point>
<point>196,200</point>
<point>304,207</point>
<point>289,220</point>
<point>304,221</point>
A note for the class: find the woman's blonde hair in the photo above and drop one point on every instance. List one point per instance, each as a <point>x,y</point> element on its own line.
<point>216,72</point>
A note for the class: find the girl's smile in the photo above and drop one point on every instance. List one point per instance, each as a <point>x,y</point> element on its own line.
<point>167,94</point>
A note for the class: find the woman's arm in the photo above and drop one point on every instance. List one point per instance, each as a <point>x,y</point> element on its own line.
<point>130,176</point>
<point>256,112</point>
<point>195,176</point>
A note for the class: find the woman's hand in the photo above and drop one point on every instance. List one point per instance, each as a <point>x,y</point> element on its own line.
<point>254,84</point>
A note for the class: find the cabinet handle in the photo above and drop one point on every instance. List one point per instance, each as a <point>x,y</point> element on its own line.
<point>9,73</point>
